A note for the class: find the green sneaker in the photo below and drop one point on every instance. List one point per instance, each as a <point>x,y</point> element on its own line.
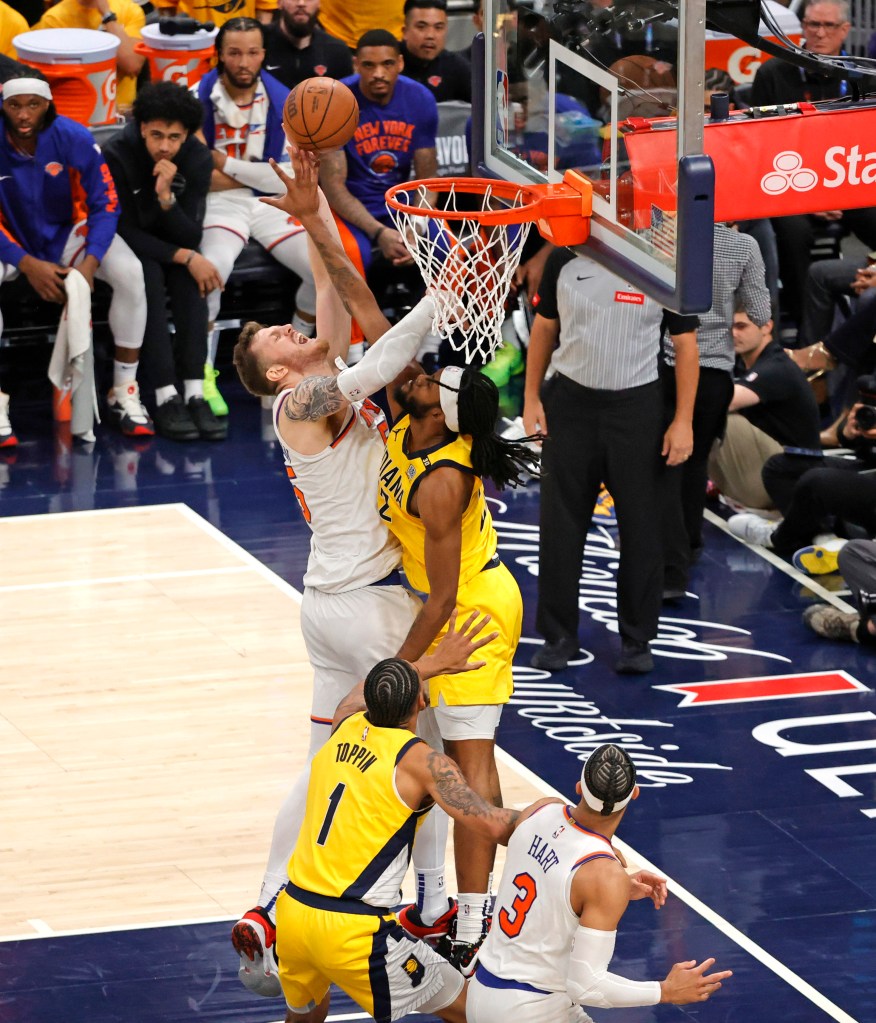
<point>218,405</point>
<point>506,363</point>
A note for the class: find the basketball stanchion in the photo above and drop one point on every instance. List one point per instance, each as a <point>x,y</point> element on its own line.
<point>468,256</point>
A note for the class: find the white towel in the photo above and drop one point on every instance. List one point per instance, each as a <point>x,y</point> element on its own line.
<point>71,366</point>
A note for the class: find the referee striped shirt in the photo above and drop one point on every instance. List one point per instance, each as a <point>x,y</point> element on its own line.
<point>609,329</point>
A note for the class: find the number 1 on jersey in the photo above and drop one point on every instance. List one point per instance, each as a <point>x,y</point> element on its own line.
<point>334,799</point>
<point>512,922</point>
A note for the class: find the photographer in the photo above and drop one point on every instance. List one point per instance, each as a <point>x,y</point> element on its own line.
<point>857,563</point>
<point>833,498</point>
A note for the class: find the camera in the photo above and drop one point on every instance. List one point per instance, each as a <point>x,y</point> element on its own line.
<point>865,417</point>
<point>182,25</point>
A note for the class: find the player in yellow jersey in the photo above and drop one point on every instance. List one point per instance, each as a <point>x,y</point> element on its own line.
<point>370,786</point>
<point>431,495</point>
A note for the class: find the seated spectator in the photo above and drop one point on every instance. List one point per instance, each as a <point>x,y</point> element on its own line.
<point>122,18</point>
<point>825,28</point>
<point>445,74</point>
<point>774,411</point>
<point>11,24</point>
<point>50,168</point>
<point>829,282</point>
<point>857,565</point>
<point>162,172</point>
<point>297,48</point>
<point>243,126</point>
<point>395,141</point>
<point>838,498</point>
<point>219,11</point>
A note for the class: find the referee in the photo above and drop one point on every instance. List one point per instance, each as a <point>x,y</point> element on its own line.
<point>601,413</point>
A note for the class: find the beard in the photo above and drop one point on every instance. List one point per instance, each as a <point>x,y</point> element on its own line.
<point>407,402</point>
<point>298,29</point>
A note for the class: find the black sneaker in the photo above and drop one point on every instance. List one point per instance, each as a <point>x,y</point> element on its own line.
<point>205,420</point>
<point>635,658</point>
<point>555,656</point>
<point>172,420</point>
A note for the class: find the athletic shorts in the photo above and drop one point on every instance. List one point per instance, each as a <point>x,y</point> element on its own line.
<point>493,592</point>
<point>381,967</point>
<point>458,723</point>
<point>513,1005</point>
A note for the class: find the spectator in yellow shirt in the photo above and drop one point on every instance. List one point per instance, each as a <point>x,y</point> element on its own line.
<point>11,24</point>
<point>219,11</point>
<point>122,18</point>
<point>350,21</point>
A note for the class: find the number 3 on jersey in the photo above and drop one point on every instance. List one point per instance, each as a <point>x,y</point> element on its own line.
<point>512,920</point>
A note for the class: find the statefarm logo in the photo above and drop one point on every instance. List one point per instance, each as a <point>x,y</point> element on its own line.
<point>844,166</point>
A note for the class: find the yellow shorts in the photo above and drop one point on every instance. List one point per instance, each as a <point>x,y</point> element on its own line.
<point>381,967</point>
<point>494,592</point>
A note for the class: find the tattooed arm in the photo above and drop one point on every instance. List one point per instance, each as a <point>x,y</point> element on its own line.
<point>313,399</point>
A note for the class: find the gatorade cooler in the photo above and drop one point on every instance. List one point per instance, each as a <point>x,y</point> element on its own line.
<point>80,66</point>
<point>183,59</point>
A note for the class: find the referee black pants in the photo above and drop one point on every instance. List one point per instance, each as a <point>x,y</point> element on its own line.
<point>596,436</point>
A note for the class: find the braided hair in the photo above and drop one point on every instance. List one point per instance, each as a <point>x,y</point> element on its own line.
<point>609,775</point>
<point>492,456</point>
<point>391,690</point>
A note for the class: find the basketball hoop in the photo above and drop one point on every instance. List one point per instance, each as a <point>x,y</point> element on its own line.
<point>466,236</point>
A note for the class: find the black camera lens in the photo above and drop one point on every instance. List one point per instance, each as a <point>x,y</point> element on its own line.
<point>865,417</point>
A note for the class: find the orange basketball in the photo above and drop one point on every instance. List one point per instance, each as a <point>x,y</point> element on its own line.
<point>320,113</point>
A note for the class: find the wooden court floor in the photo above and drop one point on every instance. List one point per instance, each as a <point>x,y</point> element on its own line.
<point>154,702</point>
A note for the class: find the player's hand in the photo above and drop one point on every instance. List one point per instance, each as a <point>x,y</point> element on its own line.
<point>677,442</point>
<point>452,654</point>
<point>164,172</point>
<point>534,419</point>
<point>46,279</point>
<point>645,885</point>
<point>393,247</point>
<point>688,982</point>
<point>301,198</point>
<point>205,274</point>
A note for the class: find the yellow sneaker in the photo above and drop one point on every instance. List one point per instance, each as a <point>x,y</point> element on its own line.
<point>218,405</point>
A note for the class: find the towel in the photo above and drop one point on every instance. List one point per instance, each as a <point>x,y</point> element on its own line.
<point>71,366</point>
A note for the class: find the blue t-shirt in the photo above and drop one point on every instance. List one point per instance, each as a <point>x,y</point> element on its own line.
<point>381,152</point>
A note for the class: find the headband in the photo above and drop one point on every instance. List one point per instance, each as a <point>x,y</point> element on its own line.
<point>26,87</point>
<point>448,395</point>
<point>595,802</point>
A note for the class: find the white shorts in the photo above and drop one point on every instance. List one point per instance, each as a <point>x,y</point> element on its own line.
<point>499,1005</point>
<point>240,212</point>
<point>346,634</point>
<point>467,722</point>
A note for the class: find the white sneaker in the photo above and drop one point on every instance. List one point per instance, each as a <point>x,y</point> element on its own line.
<point>752,529</point>
<point>127,411</point>
<point>7,437</point>
<point>253,938</point>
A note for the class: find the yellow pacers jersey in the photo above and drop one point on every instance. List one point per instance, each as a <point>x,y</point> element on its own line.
<point>400,476</point>
<point>356,839</point>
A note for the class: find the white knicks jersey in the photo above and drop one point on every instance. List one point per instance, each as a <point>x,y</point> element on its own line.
<point>533,922</point>
<point>336,490</point>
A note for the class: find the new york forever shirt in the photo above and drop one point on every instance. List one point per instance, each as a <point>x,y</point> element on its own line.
<point>381,152</point>
<point>609,329</point>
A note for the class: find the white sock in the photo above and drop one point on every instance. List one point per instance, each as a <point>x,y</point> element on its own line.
<point>193,388</point>
<point>471,920</point>
<point>431,893</point>
<point>305,327</point>
<point>212,343</point>
<point>124,373</point>
<point>355,353</point>
<point>164,394</point>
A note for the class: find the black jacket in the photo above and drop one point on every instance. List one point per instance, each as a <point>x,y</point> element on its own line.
<point>151,232</point>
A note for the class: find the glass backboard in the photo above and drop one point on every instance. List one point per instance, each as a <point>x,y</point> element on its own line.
<point>560,78</point>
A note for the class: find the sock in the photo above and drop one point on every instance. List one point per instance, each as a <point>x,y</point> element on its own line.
<point>471,920</point>
<point>124,373</point>
<point>164,394</point>
<point>431,894</point>
<point>212,343</point>
<point>303,326</point>
<point>193,388</point>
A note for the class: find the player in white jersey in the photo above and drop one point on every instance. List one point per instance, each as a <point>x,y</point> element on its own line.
<point>355,610</point>
<point>563,892</point>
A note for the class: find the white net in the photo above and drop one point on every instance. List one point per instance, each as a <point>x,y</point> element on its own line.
<point>468,265</point>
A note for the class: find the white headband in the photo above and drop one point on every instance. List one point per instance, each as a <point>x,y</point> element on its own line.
<point>448,395</point>
<point>594,802</point>
<point>26,87</point>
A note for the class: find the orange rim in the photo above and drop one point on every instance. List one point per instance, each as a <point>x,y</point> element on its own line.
<point>527,197</point>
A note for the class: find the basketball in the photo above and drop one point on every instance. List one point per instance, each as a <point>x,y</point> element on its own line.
<point>320,113</point>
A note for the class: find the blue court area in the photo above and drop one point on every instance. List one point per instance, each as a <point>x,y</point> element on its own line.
<point>755,743</point>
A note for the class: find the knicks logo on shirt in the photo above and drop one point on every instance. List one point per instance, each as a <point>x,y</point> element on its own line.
<point>435,81</point>
<point>320,69</point>
<point>630,297</point>
<point>383,163</point>
<point>54,168</point>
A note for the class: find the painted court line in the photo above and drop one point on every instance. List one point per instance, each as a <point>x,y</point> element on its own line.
<point>115,579</point>
<point>708,914</point>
